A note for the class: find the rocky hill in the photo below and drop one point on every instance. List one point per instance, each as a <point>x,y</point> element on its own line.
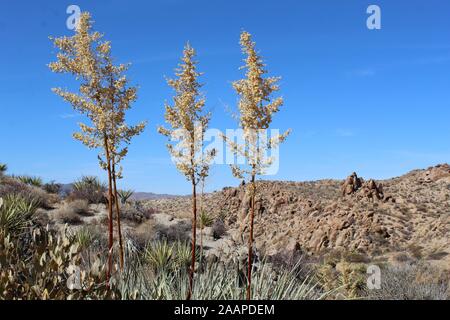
<point>407,215</point>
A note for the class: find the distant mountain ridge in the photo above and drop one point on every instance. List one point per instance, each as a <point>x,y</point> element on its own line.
<point>153,196</point>
<point>67,188</point>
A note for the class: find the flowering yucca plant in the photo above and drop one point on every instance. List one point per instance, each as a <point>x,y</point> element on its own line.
<point>188,123</point>
<point>256,108</point>
<point>104,98</point>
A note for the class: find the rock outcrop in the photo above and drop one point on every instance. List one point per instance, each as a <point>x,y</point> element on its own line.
<point>351,185</point>
<point>369,216</point>
<point>354,185</point>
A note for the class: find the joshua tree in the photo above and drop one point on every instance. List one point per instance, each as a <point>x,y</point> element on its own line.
<point>188,123</point>
<point>102,97</point>
<point>256,109</point>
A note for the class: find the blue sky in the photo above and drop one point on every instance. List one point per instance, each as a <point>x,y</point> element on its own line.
<point>372,101</point>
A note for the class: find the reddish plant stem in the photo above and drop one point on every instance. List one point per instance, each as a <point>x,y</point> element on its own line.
<point>110,212</point>
<point>250,240</point>
<point>119,229</point>
<point>194,238</point>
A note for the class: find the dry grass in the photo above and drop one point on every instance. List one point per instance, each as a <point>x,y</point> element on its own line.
<point>80,207</point>
<point>70,212</point>
<point>144,233</point>
<point>419,281</point>
<point>179,231</point>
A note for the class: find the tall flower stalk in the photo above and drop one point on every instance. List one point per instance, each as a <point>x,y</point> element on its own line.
<point>103,97</point>
<point>256,108</point>
<point>188,122</point>
<point>120,97</point>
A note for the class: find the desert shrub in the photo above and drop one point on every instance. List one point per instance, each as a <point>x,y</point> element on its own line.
<point>125,195</point>
<point>90,189</point>
<point>11,186</point>
<point>144,209</point>
<point>159,255</point>
<point>345,280</point>
<point>286,284</point>
<point>176,232</point>
<point>215,282</point>
<point>163,256</point>
<point>83,236</point>
<point>49,258</point>
<point>52,187</point>
<point>334,256</point>
<point>144,233</point>
<point>284,260</point>
<point>15,213</point>
<point>419,281</point>
<point>29,180</point>
<point>183,254</point>
<point>79,206</point>
<point>42,219</point>
<point>3,169</point>
<point>67,214</point>
<point>205,219</point>
<point>40,266</point>
<point>93,239</point>
<point>42,198</point>
<point>218,229</point>
<point>134,212</point>
<point>149,211</point>
<point>222,215</point>
<point>179,231</point>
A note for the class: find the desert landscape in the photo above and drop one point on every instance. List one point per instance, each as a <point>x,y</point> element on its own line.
<point>320,236</point>
<point>195,172</point>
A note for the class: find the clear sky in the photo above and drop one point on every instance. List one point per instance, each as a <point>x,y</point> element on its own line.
<point>372,101</point>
